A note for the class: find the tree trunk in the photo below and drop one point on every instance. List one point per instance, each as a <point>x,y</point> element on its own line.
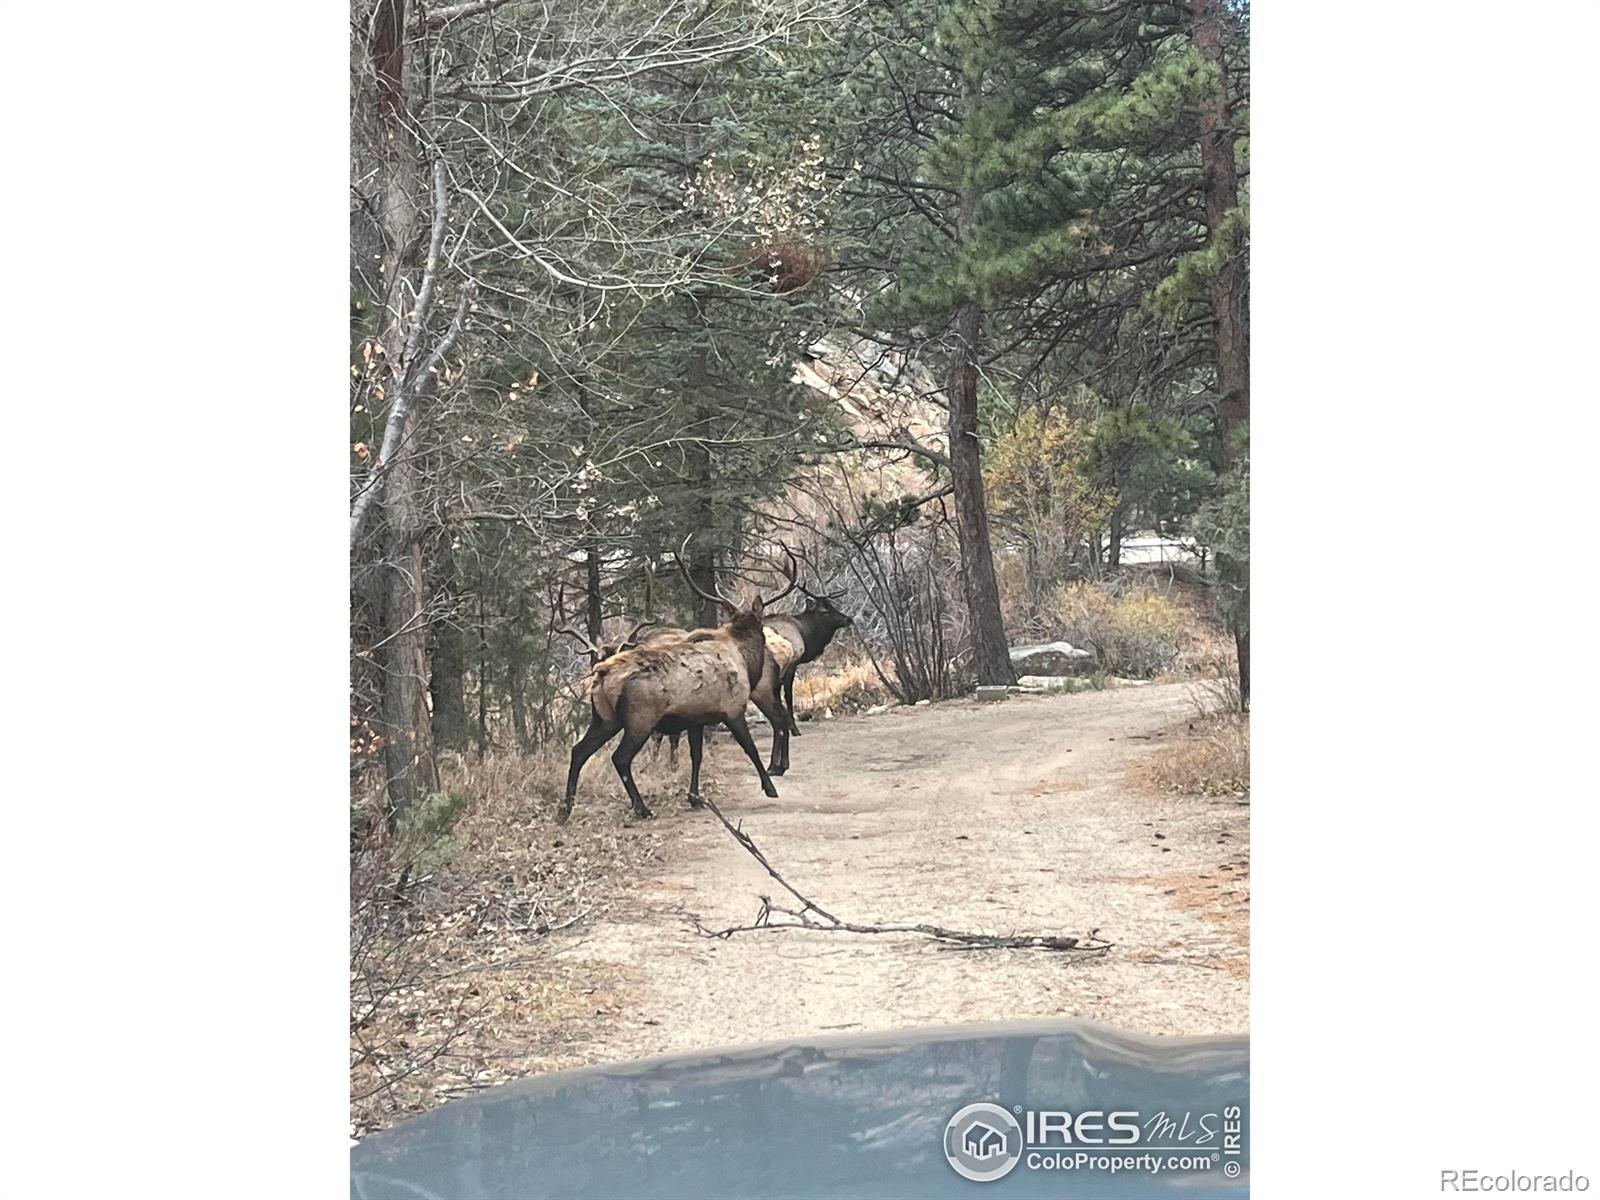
<point>447,685</point>
<point>991,658</point>
<point>702,553</point>
<point>703,570</point>
<point>447,662</point>
<point>1241,645</point>
<point>483,674</point>
<point>697,377</point>
<point>593,608</point>
<point>1228,290</point>
<point>1114,549</point>
<point>519,656</point>
<point>517,690</point>
<point>408,752</point>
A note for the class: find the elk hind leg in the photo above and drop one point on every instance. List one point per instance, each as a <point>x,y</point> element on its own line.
<point>622,759</point>
<point>741,734</point>
<point>697,740</point>
<point>780,751</point>
<point>778,719</point>
<point>597,735</point>
<point>788,706</point>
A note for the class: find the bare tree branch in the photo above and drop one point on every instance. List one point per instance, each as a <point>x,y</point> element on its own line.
<point>824,921</point>
<point>446,13</point>
<point>416,386</point>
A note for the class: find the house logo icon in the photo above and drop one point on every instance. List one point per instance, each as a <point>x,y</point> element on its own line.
<point>983,1142</point>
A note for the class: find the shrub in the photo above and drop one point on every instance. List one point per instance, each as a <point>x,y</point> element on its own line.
<point>1043,499</point>
<point>466,887</point>
<point>851,686</point>
<point>1133,632</point>
<point>910,618</point>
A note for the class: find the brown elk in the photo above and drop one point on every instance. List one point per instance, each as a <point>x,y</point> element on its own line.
<point>679,682</point>
<point>792,640</point>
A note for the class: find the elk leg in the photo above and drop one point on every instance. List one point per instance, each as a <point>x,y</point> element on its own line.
<point>741,734</point>
<point>772,709</point>
<point>780,739</point>
<point>672,752</point>
<point>788,704</point>
<point>781,743</point>
<point>622,759</point>
<point>597,735</point>
<point>697,740</point>
<point>780,735</point>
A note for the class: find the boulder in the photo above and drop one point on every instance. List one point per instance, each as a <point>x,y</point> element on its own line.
<point>988,693</point>
<point>1052,658</point>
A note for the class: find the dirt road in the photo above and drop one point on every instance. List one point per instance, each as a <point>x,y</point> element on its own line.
<point>1010,817</point>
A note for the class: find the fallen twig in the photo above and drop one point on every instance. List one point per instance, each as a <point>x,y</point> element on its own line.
<point>813,916</point>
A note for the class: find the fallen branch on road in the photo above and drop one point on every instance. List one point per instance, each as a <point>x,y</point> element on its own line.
<point>811,915</point>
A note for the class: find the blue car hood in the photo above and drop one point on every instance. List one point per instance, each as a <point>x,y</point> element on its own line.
<point>860,1116</point>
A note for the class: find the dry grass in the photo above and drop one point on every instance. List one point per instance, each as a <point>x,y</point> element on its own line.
<point>1210,755</point>
<point>454,984</point>
<point>1205,648</point>
<point>831,688</point>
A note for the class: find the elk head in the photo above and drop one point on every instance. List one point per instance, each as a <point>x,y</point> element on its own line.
<point>821,609</point>
<point>821,613</point>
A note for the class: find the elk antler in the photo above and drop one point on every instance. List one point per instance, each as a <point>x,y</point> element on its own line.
<point>629,640</point>
<point>805,591</point>
<point>587,644</point>
<point>599,652</point>
<point>792,573</point>
<point>828,596</point>
<point>694,587</point>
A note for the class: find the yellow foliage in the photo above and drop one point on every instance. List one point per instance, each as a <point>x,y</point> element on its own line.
<point>1037,462</point>
<point>1134,631</point>
<point>1040,493</point>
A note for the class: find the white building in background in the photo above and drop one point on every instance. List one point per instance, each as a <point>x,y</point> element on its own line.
<point>1153,549</point>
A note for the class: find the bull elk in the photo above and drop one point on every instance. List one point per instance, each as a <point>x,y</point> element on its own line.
<point>678,682</point>
<point>794,639</point>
